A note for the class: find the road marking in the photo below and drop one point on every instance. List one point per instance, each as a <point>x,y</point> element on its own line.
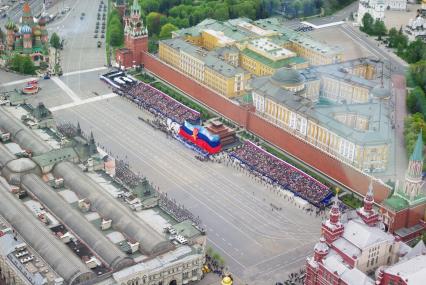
<point>20,81</point>
<point>226,253</point>
<point>67,90</point>
<point>84,71</point>
<point>82,102</point>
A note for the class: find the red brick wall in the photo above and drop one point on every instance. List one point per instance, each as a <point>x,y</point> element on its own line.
<point>317,159</point>
<point>124,58</point>
<point>415,215</point>
<point>137,46</point>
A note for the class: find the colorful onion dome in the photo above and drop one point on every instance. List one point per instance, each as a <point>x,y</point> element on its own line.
<point>26,8</point>
<point>37,32</point>
<point>25,29</point>
<point>42,21</point>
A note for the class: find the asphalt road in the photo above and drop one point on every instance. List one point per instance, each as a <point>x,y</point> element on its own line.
<point>257,243</point>
<point>80,48</point>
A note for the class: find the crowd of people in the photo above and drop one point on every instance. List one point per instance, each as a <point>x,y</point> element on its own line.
<point>179,213</point>
<point>155,101</point>
<point>126,175</point>
<point>67,129</point>
<point>281,173</point>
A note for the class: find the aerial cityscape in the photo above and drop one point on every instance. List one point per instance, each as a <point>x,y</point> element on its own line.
<point>228,142</point>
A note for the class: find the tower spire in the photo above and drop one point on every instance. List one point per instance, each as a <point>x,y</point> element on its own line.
<point>332,228</point>
<point>413,177</point>
<point>367,213</point>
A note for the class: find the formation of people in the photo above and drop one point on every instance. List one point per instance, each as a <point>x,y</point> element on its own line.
<point>178,212</point>
<point>155,101</point>
<point>281,173</point>
<point>126,175</point>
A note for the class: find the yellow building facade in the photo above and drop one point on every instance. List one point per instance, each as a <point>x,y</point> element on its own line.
<point>356,133</point>
<point>225,79</point>
<point>359,155</point>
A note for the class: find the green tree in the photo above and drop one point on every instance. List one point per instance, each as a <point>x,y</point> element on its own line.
<point>416,101</point>
<point>55,41</point>
<point>221,13</point>
<point>150,5</point>
<point>415,51</point>
<point>418,73</point>
<point>154,21</point>
<point>22,64</point>
<point>116,36</point>
<point>28,66</point>
<point>166,31</point>
<point>367,23</point>
<point>16,62</point>
<point>297,6</point>
<point>412,126</point>
<point>379,29</point>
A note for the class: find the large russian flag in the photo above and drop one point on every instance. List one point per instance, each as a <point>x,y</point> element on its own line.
<point>200,136</point>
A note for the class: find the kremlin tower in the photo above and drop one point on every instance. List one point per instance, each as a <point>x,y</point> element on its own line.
<point>332,228</point>
<point>413,177</point>
<point>135,39</point>
<point>367,213</point>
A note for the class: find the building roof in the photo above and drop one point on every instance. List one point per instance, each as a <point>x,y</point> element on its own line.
<point>75,221</point>
<point>379,129</point>
<point>286,62</point>
<point>275,24</point>
<point>418,249</point>
<point>126,221</point>
<point>412,271</point>
<point>396,203</point>
<point>364,236</point>
<point>346,247</point>
<point>417,154</point>
<point>210,59</point>
<point>5,155</point>
<point>181,254</point>
<point>287,76</point>
<point>21,165</point>
<point>21,134</point>
<point>53,251</point>
<point>54,156</point>
<point>351,276</point>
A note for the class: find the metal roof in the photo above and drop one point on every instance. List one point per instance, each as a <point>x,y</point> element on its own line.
<point>53,251</point>
<point>5,156</point>
<point>124,220</point>
<point>76,222</point>
<point>21,134</point>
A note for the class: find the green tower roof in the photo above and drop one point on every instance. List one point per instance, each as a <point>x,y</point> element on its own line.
<point>417,154</point>
<point>136,6</point>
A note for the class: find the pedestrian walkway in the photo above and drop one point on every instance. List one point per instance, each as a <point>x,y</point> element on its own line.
<point>66,89</point>
<point>82,102</point>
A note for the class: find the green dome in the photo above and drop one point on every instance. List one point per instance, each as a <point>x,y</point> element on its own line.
<point>286,76</point>
<point>10,25</point>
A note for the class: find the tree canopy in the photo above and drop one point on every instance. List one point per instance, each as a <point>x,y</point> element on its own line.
<point>166,31</point>
<point>22,64</point>
<point>55,41</point>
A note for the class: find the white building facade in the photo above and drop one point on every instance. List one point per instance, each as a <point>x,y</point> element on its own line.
<point>376,8</point>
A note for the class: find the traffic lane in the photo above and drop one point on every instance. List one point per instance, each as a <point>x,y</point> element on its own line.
<point>173,186</point>
<point>80,49</point>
